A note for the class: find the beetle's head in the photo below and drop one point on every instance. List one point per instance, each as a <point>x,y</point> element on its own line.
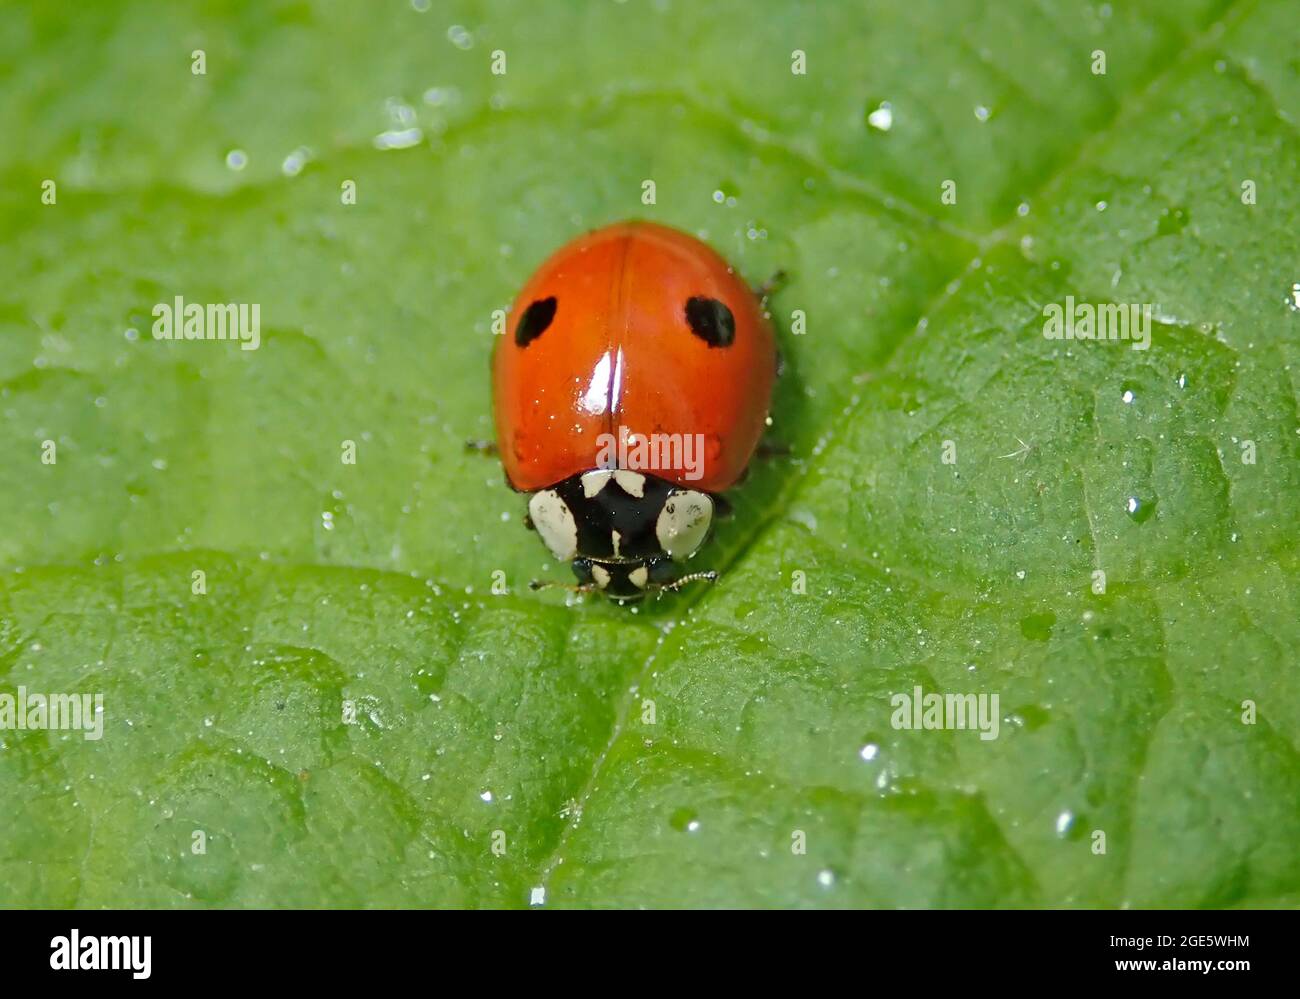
<point>624,532</point>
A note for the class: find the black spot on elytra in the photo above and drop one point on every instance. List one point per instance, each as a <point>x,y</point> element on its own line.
<point>534,321</point>
<point>711,321</point>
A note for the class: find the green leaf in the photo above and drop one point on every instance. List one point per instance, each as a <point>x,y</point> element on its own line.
<point>350,716</point>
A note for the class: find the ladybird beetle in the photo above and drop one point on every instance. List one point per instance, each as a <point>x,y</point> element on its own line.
<point>631,387</point>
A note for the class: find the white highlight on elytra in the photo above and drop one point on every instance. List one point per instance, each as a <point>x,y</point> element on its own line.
<point>595,400</point>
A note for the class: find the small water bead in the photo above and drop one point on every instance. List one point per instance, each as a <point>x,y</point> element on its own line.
<point>236,159</point>
<point>459,36</point>
<point>882,118</point>
<point>295,161</point>
<point>399,111</point>
<point>1139,509</point>
<point>684,820</point>
<point>439,96</point>
<point>402,138</point>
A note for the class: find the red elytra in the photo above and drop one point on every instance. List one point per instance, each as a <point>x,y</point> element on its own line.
<point>621,330</point>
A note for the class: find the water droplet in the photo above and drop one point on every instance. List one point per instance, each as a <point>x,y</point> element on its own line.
<point>804,516</point>
<point>1140,510</point>
<point>882,118</point>
<point>1128,396</point>
<point>236,159</point>
<point>401,138</point>
<point>826,878</point>
<point>459,36</point>
<point>295,161</point>
<point>982,113</point>
<point>1038,627</point>
<point>1172,221</point>
<point>439,96</point>
<point>1064,822</point>
<point>1029,717</point>
<point>327,520</point>
<point>419,6</point>
<point>684,820</point>
<point>869,752</point>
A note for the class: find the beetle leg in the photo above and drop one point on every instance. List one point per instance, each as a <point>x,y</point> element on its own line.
<point>770,287</point>
<point>482,447</point>
<point>772,449</point>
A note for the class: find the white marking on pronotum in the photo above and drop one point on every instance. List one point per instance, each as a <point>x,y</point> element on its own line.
<point>554,522</point>
<point>639,576</point>
<point>617,539</point>
<point>683,522</point>
<point>594,482</point>
<point>633,483</point>
<point>600,574</point>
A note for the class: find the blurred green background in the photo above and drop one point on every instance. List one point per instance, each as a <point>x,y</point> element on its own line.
<point>522,721</point>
